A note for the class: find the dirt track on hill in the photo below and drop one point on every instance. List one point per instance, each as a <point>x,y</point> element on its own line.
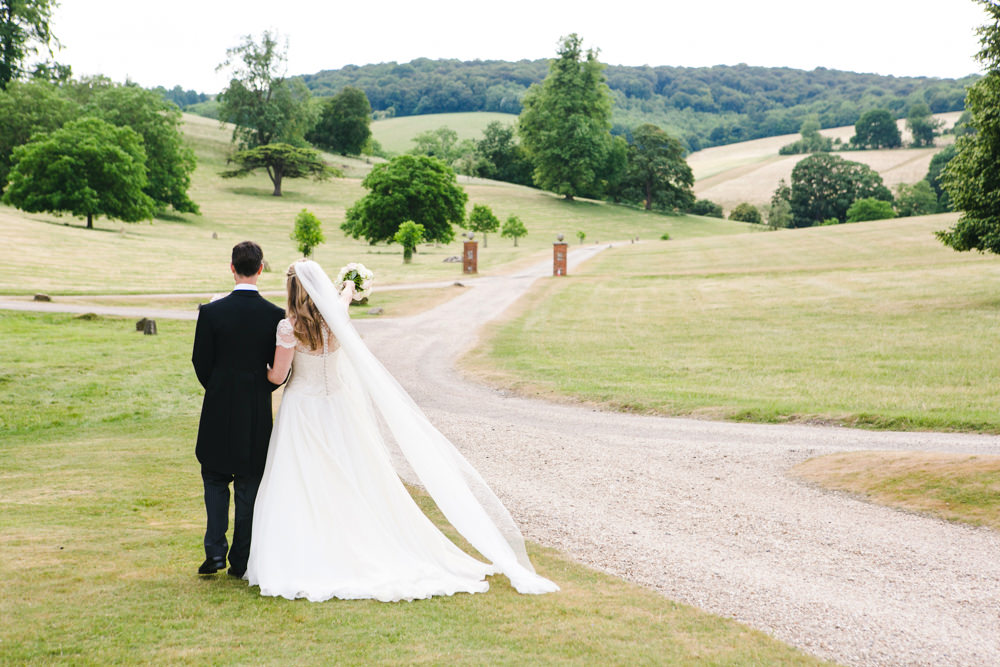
<point>705,512</point>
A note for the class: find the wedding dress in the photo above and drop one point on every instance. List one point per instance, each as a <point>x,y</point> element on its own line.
<point>332,517</point>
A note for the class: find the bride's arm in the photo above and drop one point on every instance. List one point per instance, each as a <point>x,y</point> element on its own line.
<point>347,293</point>
<point>284,350</point>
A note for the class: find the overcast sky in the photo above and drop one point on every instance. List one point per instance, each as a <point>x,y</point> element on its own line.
<point>180,42</point>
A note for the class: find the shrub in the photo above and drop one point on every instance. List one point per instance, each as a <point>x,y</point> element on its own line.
<point>707,208</point>
<point>870,208</point>
<point>746,213</point>
<point>307,232</point>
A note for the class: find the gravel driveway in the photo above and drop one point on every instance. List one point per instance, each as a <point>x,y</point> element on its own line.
<point>705,512</point>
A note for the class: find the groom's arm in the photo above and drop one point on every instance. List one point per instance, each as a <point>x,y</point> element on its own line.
<point>203,355</point>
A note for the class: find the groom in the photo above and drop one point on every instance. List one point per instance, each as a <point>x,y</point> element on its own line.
<point>233,343</point>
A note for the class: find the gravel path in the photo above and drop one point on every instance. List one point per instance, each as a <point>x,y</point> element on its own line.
<point>704,512</point>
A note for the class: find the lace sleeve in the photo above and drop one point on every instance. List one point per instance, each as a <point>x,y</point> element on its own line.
<point>285,336</point>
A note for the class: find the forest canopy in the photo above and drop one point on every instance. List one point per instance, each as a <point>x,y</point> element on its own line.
<point>702,106</point>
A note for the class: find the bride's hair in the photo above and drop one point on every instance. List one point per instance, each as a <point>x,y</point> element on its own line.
<point>308,323</point>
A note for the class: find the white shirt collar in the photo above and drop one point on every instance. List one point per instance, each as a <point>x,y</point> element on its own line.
<point>246,286</point>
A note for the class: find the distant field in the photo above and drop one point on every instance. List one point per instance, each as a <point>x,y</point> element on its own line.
<point>396,134</point>
<point>750,171</point>
<point>190,253</point>
<point>871,324</point>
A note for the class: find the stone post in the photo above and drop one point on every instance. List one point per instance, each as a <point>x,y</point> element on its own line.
<point>559,257</point>
<point>470,259</point>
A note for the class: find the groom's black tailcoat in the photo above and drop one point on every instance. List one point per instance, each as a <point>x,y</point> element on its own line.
<point>233,343</point>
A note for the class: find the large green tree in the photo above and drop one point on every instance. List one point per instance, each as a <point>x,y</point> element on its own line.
<point>566,121</point>
<point>169,162</point>
<point>501,157</point>
<point>482,220</point>
<point>409,187</point>
<point>24,32</point>
<point>27,108</point>
<point>87,168</point>
<point>935,175</point>
<point>824,186</point>
<point>344,124</point>
<point>657,173</point>
<point>876,129</point>
<point>263,105</point>
<point>280,161</point>
<point>972,178</point>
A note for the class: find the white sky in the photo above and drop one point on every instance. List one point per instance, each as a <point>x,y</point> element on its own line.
<point>181,41</point>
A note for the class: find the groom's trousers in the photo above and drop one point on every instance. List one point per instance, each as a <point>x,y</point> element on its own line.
<point>217,508</point>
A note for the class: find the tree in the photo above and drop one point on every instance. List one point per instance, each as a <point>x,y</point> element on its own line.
<point>501,157</point>
<point>746,213</point>
<point>87,168</point>
<point>869,208</point>
<point>344,124</point>
<point>935,175</point>
<point>24,31</point>
<point>308,232</point>
<point>482,220</point>
<point>441,143</point>
<point>779,214</point>
<point>260,102</point>
<point>876,129</point>
<point>281,161</point>
<point>581,235</point>
<point>916,199</point>
<point>972,178</point>
<point>565,123</point>
<point>169,162</point>
<point>824,186</point>
<point>409,235</point>
<point>513,228</point>
<point>657,172</point>
<point>811,142</point>
<point>922,125</point>
<point>408,187</point>
<point>27,108</point>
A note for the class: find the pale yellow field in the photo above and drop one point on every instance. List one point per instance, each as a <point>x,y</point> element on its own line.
<point>750,171</point>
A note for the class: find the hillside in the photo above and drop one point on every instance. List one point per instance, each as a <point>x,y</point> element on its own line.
<point>750,171</point>
<point>395,135</point>
<point>704,106</point>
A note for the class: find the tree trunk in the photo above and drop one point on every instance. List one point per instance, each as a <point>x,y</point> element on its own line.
<point>407,254</point>
<point>90,221</point>
<point>515,241</point>
<point>275,174</point>
<point>649,195</point>
<point>569,197</point>
<point>484,239</point>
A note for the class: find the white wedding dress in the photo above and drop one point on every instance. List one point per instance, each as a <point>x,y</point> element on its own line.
<point>333,519</point>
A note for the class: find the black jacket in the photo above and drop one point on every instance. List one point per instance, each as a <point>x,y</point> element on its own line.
<point>233,343</point>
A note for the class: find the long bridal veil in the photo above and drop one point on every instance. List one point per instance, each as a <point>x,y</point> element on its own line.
<point>454,485</point>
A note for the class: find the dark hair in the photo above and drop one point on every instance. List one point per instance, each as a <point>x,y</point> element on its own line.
<point>247,258</point>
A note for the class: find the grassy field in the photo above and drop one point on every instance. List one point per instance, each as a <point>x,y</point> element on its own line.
<point>396,134</point>
<point>190,253</point>
<point>101,529</point>
<point>872,324</point>
<point>750,171</point>
<point>948,486</point>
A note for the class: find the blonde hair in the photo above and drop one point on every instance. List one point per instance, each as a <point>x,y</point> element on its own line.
<point>307,321</point>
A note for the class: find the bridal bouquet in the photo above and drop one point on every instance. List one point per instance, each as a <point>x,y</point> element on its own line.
<point>360,276</point>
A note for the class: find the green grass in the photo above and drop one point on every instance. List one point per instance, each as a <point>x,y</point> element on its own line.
<point>872,324</point>
<point>190,253</point>
<point>949,486</point>
<point>396,134</point>
<point>101,529</point>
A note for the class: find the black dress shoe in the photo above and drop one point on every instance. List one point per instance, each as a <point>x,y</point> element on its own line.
<point>233,572</point>
<point>212,565</point>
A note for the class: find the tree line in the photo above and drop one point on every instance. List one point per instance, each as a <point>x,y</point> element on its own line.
<point>702,106</point>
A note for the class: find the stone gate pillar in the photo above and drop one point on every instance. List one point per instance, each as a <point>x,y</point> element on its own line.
<point>470,258</point>
<point>559,257</point>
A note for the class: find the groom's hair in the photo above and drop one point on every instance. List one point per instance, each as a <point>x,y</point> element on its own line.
<point>247,258</point>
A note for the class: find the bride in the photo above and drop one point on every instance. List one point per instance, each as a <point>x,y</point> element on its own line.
<point>332,518</point>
